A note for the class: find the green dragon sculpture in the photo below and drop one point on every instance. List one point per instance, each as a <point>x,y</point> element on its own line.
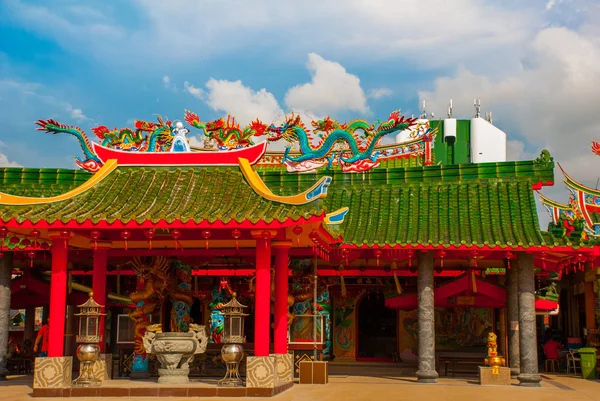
<point>147,137</point>
<point>227,133</point>
<point>331,132</point>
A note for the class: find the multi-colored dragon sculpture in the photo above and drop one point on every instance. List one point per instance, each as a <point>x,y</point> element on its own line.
<point>227,133</point>
<point>162,136</point>
<point>163,280</point>
<point>359,137</point>
<point>147,137</point>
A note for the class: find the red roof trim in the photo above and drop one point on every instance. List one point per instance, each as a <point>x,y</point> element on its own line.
<point>534,248</point>
<point>118,224</point>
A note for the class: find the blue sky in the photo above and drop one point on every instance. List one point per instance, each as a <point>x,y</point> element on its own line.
<point>535,64</point>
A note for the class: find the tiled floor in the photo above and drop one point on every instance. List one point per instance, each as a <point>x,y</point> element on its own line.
<point>386,388</point>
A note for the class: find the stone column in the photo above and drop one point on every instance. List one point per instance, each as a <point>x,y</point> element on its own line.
<point>512,310</point>
<point>5,273</point>
<point>527,339</point>
<point>426,372</point>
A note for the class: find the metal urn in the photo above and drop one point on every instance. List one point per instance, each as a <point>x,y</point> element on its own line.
<point>89,337</point>
<point>232,351</point>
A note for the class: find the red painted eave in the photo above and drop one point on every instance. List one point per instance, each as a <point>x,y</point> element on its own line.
<point>538,185</point>
<point>593,250</point>
<point>118,224</point>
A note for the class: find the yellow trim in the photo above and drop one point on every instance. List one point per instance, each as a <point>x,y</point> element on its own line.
<point>335,213</point>
<point>109,166</point>
<point>260,188</point>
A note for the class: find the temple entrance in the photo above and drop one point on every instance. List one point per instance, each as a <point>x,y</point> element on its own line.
<point>376,328</point>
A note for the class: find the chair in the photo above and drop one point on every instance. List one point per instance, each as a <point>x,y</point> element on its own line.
<point>573,360</point>
<point>553,363</point>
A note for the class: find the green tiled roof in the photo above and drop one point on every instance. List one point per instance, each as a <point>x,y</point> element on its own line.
<point>477,212</point>
<point>469,204</point>
<point>142,194</point>
<point>40,182</point>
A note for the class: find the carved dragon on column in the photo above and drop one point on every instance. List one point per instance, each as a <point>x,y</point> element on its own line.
<point>155,276</point>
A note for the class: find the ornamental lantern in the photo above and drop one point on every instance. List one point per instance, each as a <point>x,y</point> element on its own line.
<point>89,335</point>
<point>232,351</point>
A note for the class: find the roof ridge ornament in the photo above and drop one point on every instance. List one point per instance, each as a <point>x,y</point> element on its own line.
<point>317,191</point>
<point>544,160</point>
<point>103,172</point>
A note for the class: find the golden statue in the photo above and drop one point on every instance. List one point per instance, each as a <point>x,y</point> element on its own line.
<point>492,352</point>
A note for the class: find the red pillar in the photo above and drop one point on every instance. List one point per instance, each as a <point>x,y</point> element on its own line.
<point>262,312</point>
<point>281,250</point>
<point>58,297</point>
<point>99,288</point>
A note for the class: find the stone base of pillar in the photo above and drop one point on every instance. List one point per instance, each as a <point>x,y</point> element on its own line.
<point>285,367</point>
<point>139,375</point>
<point>54,372</point>
<point>261,371</point>
<point>427,376</point>
<point>529,379</point>
<point>515,372</point>
<point>103,367</point>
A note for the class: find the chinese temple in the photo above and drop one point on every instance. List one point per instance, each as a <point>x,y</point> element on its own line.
<point>394,241</point>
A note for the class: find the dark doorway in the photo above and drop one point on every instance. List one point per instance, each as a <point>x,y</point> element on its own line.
<point>376,329</point>
<point>196,314</point>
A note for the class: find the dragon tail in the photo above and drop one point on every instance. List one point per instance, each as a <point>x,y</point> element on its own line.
<point>92,162</point>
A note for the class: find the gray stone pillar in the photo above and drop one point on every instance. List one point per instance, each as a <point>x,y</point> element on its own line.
<point>426,372</point>
<point>512,311</point>
<point>527,337</point>
<point>5,272</point>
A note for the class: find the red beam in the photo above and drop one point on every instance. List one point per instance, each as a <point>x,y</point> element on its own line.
<point>118,224</point>
<point>594,250</point>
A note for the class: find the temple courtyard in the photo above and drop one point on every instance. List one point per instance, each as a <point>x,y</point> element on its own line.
<point>341,387</point>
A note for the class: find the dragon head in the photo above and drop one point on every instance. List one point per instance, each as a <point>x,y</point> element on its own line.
<point>192,118</point>
<point>101,131</point>
<point>154,267</point>
<point>287,129</point>
<point>327,125</point>
<point>258,127</point>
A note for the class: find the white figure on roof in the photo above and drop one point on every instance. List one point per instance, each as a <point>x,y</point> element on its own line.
<point>180,142</point>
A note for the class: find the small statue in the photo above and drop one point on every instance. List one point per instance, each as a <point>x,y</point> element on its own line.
<point>492,352</point>
<point>492,345</point>
<point>180,142</point>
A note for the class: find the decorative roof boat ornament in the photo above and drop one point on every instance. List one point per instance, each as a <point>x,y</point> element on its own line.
<point>164,143</point>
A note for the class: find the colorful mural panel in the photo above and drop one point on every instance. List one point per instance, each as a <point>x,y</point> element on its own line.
<point>455,328</point>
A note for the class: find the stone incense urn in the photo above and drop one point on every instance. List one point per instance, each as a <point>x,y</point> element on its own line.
<point>175,351</point>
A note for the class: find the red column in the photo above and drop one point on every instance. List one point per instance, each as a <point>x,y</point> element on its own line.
<point>58,298</point>
<point>281,250</point>
<point>99,288</point>
<point>262,312</point>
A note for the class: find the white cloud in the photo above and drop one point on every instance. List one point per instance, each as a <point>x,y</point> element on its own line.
<point>77,114</point>
<point>331,89</point>
<point>550,101</point>
<point>515,150</point>
<point>4,162</point>
<point>198,93</point>
<point>242,102</point>
<point>459,30</point>
<point>168,84</point>
<point>378,93</point>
